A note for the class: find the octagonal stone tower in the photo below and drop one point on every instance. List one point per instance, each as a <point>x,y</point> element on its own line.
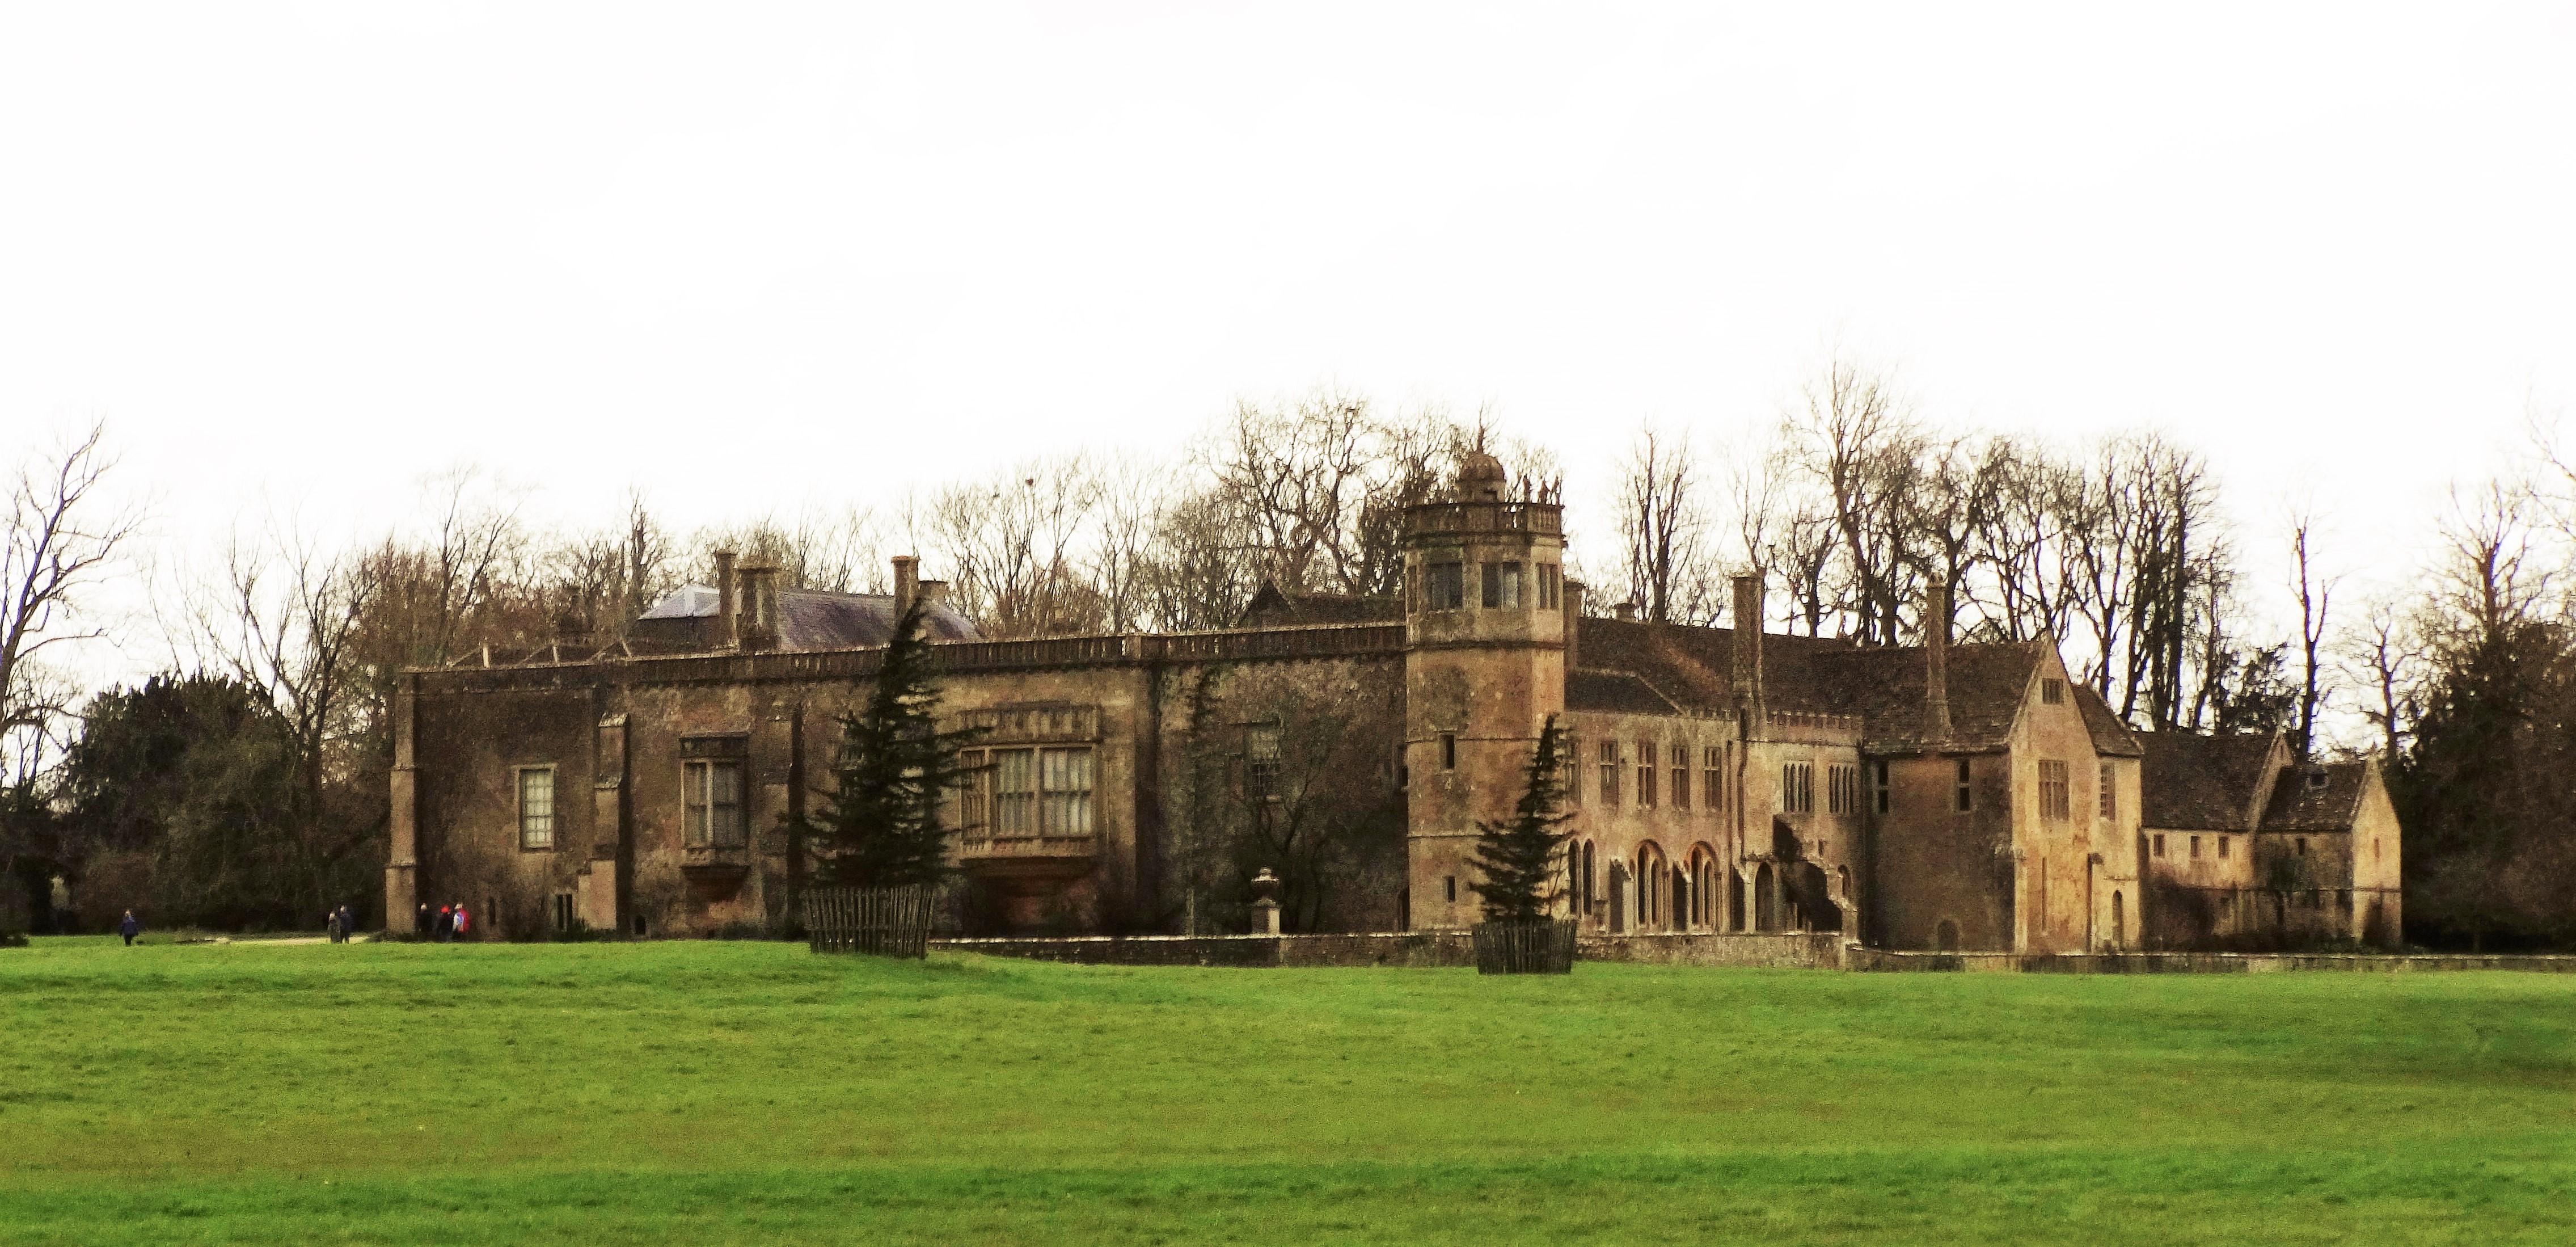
<point>1485,645</point>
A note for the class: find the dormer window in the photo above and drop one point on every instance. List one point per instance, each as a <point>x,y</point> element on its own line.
<point>2317,778</point>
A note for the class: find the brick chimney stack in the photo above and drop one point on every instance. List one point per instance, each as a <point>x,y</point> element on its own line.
<point>907,582</point>
<point>1748,648</point>
<point>728,629</point>
<point>1936,663</point>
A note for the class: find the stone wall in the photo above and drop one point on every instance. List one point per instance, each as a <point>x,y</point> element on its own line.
<point>1857,958</point>
<point>1806,949</point>
<point>1400,948</point>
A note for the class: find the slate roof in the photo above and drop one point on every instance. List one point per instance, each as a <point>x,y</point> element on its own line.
<point>808,619</point>
<point>2111,737</point>
<point>2327,806</point>
<point>1271,608</point>
<point>1884,685</point>
<point>1614,692</point>
<point>2206,782</point>
<point>1693,667</point>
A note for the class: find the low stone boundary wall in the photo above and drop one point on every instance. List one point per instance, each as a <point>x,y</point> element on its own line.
<point>1858,958</point>
<point>1792,949</point>
<point>1394,948</point>
<point>1800,949</point>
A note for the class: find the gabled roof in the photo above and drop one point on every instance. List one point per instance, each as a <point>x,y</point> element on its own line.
<point>2203,782</point>
<point>1271,608</point>
<point>2111,737</point>
<point>808,619</point>
<point>2328,802</point>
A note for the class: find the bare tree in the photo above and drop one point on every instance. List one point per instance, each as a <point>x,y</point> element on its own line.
<point>1859,435</point>
<point>62,538</point>
<point>1663,525</point>
<point>2316,596</point>
<point>1014,548</point>
<point>1120,564</point>
<point>2028,540</point>
<point>283,619</point>
<point>2380,656</point>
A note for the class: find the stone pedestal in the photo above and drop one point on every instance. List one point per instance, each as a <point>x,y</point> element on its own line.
<point>1265,903</point>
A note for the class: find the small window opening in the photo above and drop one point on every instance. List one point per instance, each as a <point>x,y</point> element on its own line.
<point>1448,586</point>
<point>1962,800</point>
<point>2053,692</point>
<point>1450,882</point>
<point>1448,751</point>
<point>2222,846</point>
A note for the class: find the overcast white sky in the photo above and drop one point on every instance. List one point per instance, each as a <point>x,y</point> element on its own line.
<point>746,255</point>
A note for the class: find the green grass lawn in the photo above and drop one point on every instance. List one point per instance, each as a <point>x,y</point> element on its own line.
<point>721,1092</point>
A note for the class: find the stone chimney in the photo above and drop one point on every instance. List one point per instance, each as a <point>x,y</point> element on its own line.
<point>1936,663</point>
<point>759,627</point>
<point>1573,619</point>
<point>728,630</point>
<point>934,593</point>
<point>907,582</point>
<point>1747,672</point>
<point>1626,611</point>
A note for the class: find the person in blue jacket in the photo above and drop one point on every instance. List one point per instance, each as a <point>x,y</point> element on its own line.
<point>131,927</point>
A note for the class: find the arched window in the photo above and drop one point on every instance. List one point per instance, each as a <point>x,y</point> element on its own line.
<point>1946,936</point>
<point>1591,884</point>
<point>1734,900</point>
<point>2119,921</point>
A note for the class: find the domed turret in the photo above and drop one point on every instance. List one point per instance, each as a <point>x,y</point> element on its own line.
<point>1480,477</point>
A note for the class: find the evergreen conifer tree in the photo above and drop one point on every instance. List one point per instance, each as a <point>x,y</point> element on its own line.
<point>880,824</point>
<point>1518,857</point>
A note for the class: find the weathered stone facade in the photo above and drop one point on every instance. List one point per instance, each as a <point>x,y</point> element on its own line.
<point>1942,797</point>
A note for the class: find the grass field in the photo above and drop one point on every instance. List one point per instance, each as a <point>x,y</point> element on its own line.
<point>755,1093</point>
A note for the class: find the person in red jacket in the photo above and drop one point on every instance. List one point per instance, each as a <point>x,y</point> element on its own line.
<point>462,921</point>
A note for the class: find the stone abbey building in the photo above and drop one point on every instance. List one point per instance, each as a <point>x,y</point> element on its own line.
<point>1946,796</point>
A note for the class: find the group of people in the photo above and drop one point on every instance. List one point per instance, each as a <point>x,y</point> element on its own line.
<point>449,922</point>
<point>340,924</point>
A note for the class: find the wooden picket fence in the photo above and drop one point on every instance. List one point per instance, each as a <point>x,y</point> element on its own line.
<point>1540,946</point>
<point>882,922</point>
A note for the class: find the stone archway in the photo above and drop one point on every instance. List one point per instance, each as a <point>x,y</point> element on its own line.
<point>1766,899</point>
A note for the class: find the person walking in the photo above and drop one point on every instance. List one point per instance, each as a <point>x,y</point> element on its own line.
<point>331,925</point>
<point>348,923</point>
<point>421,922</point>
<point>129,928</point>
<point>446,924</point>
<point>462,920</point>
